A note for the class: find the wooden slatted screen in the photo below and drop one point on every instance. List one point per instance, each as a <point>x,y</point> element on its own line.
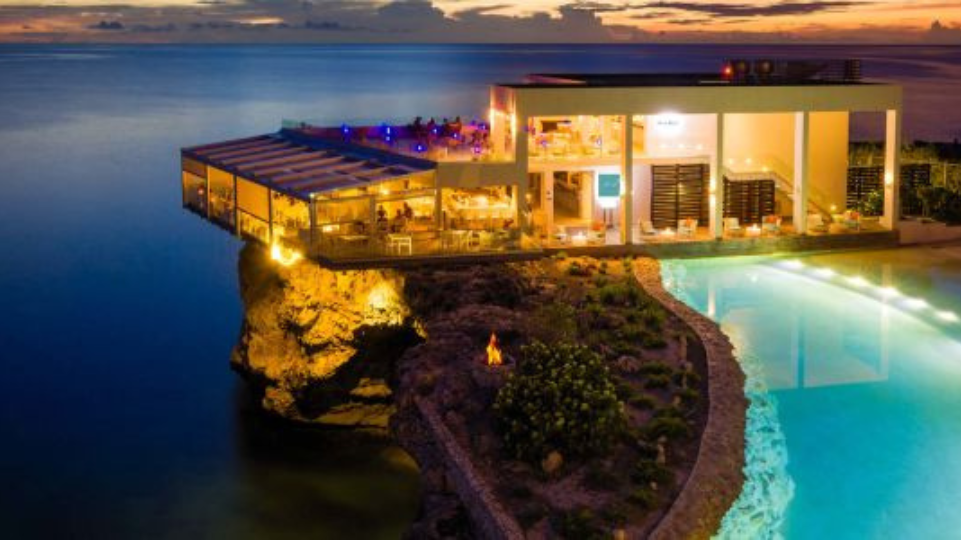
<point>861,182</point>
<point>913,177</point>
<point>748,200</point>
<point>679,192</point>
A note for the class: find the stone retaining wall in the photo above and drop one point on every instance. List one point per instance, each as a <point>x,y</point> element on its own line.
<point>717,477</point>
<point>488,517</point>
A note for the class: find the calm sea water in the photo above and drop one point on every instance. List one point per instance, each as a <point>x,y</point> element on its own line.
<point>118,414</point>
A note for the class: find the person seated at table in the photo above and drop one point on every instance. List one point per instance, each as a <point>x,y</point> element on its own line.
<point>455,127</point>
<point>408,212</point>
<point>445,128</point>
<point>432,128</point>
<point>399,223</point>
<point>381,213</point>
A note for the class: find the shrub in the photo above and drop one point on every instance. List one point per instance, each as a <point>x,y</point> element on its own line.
<point>603,267</point>
<point>643,497</point>
<point>553,323</point>
<point>655,368</point>
<point>872,204</point>
<point>942,204</point>
<point>576,269</point>
<point>657,381</point>
<point>649,470</point>
<point>671,427</point>
<point>643,401</point>
<point>689,396</point>
<point>560,397</point>
<point>577,524</point>
<point>560,255</point>
<point>599,478</point>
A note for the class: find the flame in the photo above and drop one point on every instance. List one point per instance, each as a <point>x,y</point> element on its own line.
<point>494,352</point>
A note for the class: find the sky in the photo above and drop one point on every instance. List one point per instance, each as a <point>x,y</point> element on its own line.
<point>529,21</point>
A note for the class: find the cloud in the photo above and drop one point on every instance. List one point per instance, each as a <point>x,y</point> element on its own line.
<point>473,21</point>
<point>719,9</point>
<point>107,25</point>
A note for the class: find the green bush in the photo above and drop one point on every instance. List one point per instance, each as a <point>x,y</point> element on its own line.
<point>577,524</point>
<point>643,401</point>
<point>942,204</point>
<point>872,204</point>
<point>644,497</point>
<point>576,269</point>
<point>603,267</point>
<point>671,427</point>
<point>658,380</point>
<point>649,470</point>
<point>560,397</point>
<point>552,323</point>
<point>655,368</point>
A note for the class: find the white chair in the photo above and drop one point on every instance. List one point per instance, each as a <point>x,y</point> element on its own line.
<point>815,223</point>
<point>560,234</point>
<point>732,227</point>
<point>771,224</point>
<point>687,227</point>
<point>647,228</point>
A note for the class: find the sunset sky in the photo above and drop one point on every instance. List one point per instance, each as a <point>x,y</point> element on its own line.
<point>878,21</point>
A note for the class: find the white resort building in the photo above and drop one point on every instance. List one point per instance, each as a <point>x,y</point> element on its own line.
<point>752,157</point>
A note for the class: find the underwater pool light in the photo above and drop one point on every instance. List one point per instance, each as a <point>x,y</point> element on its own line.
<point>948,316</point>
<point>857,281</point>
<point>889,292</point>
<point>825,273</point>
<point>915,303</point>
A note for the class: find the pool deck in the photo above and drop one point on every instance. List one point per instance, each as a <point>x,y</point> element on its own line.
<point>697,248</point>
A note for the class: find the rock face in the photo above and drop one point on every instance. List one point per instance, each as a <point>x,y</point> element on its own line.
<point>320,344</point>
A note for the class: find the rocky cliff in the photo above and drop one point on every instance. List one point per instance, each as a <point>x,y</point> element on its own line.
<point>321,345</point>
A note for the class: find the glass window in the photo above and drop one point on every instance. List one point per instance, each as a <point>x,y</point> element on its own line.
<point>195,192</point>
<point>221,195</point>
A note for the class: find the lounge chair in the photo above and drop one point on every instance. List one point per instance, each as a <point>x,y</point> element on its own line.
<point>598,233</point>
<point>732,227</point>
<point>771,224</point>
<point>851,219</point>
<point>687,227</point>
<point>647,228</point>
<point>816,223</point>
<point>560,234</point>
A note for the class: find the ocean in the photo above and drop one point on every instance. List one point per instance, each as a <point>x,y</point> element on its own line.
<point>119,415</point>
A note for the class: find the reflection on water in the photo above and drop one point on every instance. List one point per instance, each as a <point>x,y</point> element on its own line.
<point>861,391</point>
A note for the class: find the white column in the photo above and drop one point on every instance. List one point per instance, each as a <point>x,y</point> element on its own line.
<point>802,130</point>
<point>521,170</point>
<point>627,175</point>
<point>547,200</point>
<point>716,185</point>
<point>892,169</point>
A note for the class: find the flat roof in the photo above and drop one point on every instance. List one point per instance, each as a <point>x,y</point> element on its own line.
<point>654,80</point>
<point>294,163</point>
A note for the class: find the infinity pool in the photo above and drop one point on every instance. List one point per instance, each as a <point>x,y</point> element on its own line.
<point>854,378</point>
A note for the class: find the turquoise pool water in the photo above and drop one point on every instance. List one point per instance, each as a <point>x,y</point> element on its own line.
<point>854,377</point>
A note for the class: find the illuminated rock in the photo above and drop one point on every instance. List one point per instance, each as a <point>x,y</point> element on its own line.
<point>321,344</point>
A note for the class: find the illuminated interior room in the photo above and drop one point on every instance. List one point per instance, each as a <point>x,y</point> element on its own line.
<point>758,149</point>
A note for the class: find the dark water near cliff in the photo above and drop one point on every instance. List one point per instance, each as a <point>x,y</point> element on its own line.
<point>118,414</point>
